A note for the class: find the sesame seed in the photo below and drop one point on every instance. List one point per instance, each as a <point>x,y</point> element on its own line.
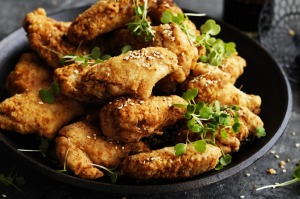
<point>271,171</point>
<point>242,196</point>
<point>297,145</point>
<point>277,156</point>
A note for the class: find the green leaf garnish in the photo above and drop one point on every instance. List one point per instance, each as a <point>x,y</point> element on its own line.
<point>48,95</point>
<point>260,132</point>
<point>126,49</point>
<point>94,57</point>
<point>140,25</point>
<point>216,49</point>
<point>200,145</point>
<point>180,149</point>
<point>207,120</point>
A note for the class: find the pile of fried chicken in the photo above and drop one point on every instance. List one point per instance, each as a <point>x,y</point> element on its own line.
<point>105,111</point>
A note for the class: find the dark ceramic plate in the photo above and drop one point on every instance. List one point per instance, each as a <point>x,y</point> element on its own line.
<point>262,77</point>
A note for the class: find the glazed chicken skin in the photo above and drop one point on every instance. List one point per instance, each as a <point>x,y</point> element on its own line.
<point>211,86</point>
<point>129,120</point>
<point>26,113</point>
<point>47,37</point>
<point>134,73</point>
<point>164,164</point>
<point>30,73</point>
<point>81,144</point>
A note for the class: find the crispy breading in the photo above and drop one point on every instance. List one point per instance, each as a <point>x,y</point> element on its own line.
<point>102,17</point>
<point>233,65</point>
<point>160,7</point>
<point>26,114</point>
<point>130,120</point>
<point>81,144</point>
<point>30,73</point>
<point>174,39</point>
<point>47,37</point>
<point>211,87</point>
<point>70,82</point>
<point>164,164</point>
<point>132,74</point>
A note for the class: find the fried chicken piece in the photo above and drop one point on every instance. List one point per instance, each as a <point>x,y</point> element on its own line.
<point>47,37</point>
<point>129,120</point>
<point>232,66</point>
<point>174,39</point>
<point>80,145</point>
<point>211,87</point>
<point>69,79</point>
<point>26,114</point>
<point>169,36</point>
<point>164,164</point>
<point>30,73</point>
<point>102,17</point>
<point>132,74</point>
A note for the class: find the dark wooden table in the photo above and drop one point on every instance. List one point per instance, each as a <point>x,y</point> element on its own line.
<point>240,185</point>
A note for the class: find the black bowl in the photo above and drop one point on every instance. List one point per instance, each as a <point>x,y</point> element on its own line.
<point>262,77</point>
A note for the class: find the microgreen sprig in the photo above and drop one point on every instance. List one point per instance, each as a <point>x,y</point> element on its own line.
<point>11,179</point>
<point>140,25</point>
<point>48,95</point>
<point>296,176</point>
<point>42,148</point>
<point>216,49</point>
<point>94,57</point>
<point>206,120</point>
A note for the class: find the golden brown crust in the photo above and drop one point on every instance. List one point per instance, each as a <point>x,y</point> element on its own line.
<point>46,37</point>
<point>213,86</point>
<point>82,144</point>
<point>26,114</point>
<point>130,120</point>
<point>164,164</point>
<point>132,74</point>
<point>30,73</point>
<point>70,82</point>
<point>102,17</point>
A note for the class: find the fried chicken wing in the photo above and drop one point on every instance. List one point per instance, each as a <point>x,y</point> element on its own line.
<point>26,114</point>
<point>164,164</point>
<point>81,144</point>
<point>102,17</point>
<point>211,88</point>
<point>70,82</point>
<point>133,74</point>
<point>47,37</point>
<point>30,73</point>
<point>130,120</point>
<point>232,66</point>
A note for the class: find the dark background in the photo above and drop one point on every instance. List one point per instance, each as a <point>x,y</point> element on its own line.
<point>240,185</point>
